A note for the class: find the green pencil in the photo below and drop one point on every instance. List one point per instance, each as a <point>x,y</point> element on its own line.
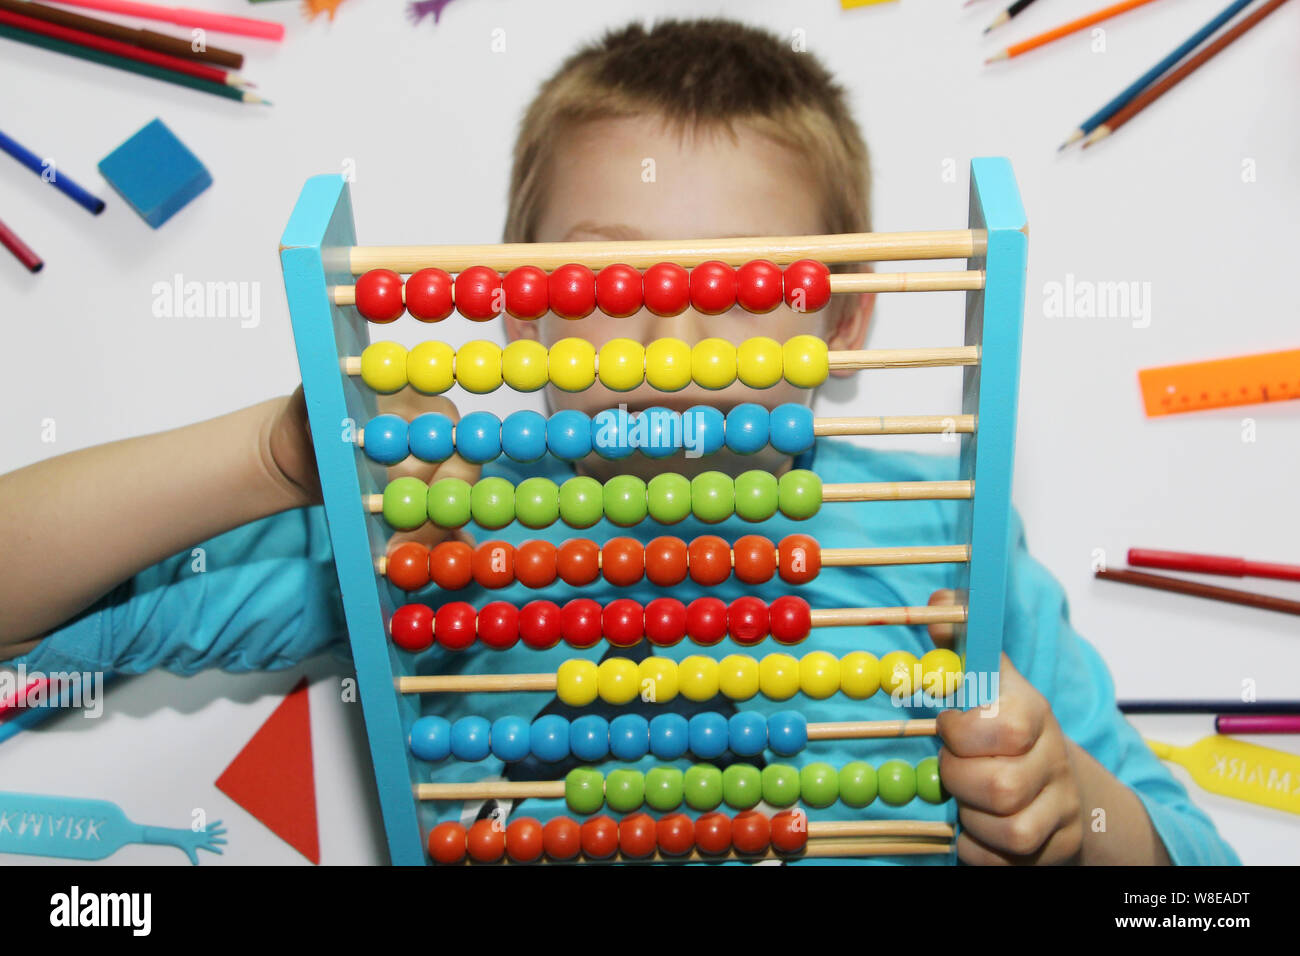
<point>131,66</point>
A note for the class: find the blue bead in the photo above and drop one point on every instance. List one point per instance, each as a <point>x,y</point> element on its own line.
<point>611,434</point>
<point>658,432</point>
<point>589,737</point>
<point>746,430</point>
<point>669,736</point>
<point>791,428</point>
<point>471,738</point>
<point>430,437</point>
<point>523,435</point>
<point>431,738</point>
<point>568,435</point>
<point>550,738</point>
<point>385,439</point>
<point>703,430</point>
<point>510,739</point>
<point>478,437</point>
<point>708,733</point>
<point>747,733</point>
<point>787,732</point>
<point>629,737</point>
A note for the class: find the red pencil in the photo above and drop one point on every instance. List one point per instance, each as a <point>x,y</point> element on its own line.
<point>1212,564</point>
<point>22,252</point>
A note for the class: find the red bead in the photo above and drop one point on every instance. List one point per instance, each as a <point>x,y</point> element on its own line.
<point>524,842</point>
<point>665,621</point>
<point>526,292</point>
<point>578,562</point>
<point>618,291</point>
<point>453,626</point>
<point>451,565</point>
<point>713,833</point>
<point>675,834</point>
<point>755,559</point>
<point>747,620</point>
<point>573,291</point>
<point>412,627</point>
<point>713,287</point>
<point>666,287</point>
<point>636,835</point>
<point>623,622</point>
<point>428,295</point>
<point>498,625</point>
<point>799,559</point>
<point>486,841</point>
<point>379,295</point>
<point>580,623</point>
<point>807,285</point>
<point>709,560</point>
<point>447,843</point>
<point>493,564</point>
<point>758,286</point>
<point>622,561</point>
<point>790,831</point>
<point>408,566</point>
<point>666,562</point>
<point>535,565</point>
<point>751,832</point>
<point>706,620</point>
<point>599,838</point>
<point>789,619</point>
<point>540,626</point>
<point>562,838</point>
<point>478,294</point>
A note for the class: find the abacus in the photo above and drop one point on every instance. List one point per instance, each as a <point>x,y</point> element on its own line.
<point>338,290</point>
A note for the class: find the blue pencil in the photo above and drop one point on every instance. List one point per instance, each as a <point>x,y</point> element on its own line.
<point>58,180</point>
<point>1151,75</point>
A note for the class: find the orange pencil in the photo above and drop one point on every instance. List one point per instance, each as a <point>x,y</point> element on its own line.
<point>1065,29</point>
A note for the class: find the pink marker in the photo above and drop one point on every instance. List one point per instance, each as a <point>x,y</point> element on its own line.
<point>217,22</point>
<point>1257,723</point>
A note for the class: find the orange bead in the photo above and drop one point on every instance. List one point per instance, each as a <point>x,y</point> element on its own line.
<point>535,564</point>
<point>486,841</point>
<point>494,564</point>
<point>622,561</point>
<point>709,560</point>
<point>447,843</point>
<point>799,559</point>
<point>562,838</point>
<point>666,561</point>
<point>578,561</point>
<point>408,566</point>
<point>524,842</point>
<point>755,559</point>
<point>790,831</point>
<point>636,835</point>
<point>450,565</point>
<point>599,838</point>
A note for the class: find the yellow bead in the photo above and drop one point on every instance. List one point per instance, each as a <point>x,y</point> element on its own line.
<point>759,362</point>
<point>575,682</point>
<point>899,673</point>
<point>383,367</point>
<point>941,673</point>
<point>668,365</point>
<point>572,364</point>
<point>713,363</point>
<point>778,676</point>
<point>618,681</point>
<point>622,364</point>
<point>738,676</point>
<point>430,367</point>
<point>478,366</point>
<point>805,362</point>
<point>523,365</point>
<point>658,676</point>
<point>697,677</point>
<point>859,675</point>
<point>819,674</point>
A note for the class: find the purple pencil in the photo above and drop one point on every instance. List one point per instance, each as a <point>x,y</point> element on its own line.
<point>1257,723</point>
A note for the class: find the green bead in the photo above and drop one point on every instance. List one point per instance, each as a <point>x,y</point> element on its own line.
<point>703,787</point>
<point>780,784</point>
<point>492,503</point>
<point>584,790</point>
<point>581,502</point>
<point>625,500</point>
<point>756,495</point>
<point>857,783</point>
<point>897,782</point>
<point>668,497</point>
<point>664,788</point>
<point>449,502</point>
<point>713,496</point>
<point>537,502</point>
<point>819,785</point>
<point>406,503</point>
<point>625,790</point>
<point>800,494</point>
<point>928,785</point>
<point>742,786</point>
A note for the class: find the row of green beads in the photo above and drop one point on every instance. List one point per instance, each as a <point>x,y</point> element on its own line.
<point>580,502</point>
<point>741,786</point>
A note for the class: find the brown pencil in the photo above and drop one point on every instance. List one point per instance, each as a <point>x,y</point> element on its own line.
<point>1162,582</point>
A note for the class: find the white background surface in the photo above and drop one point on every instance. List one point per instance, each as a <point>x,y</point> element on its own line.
<point>427,115</point>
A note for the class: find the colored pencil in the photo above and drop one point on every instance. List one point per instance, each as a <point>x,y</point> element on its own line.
<point>131,66</point>
<point>22,252</point>
<point>1269,707</point>
<point>1150,76</point>
<point>1212,564</point>
<point>148,39</point>
<point>1184,70</point>
<point>1160,582</point>
<point>1065,29</point>
<point>59,181</point>
<point>1257,724</point>
<point>1008,13</point>
<point>183,17</point>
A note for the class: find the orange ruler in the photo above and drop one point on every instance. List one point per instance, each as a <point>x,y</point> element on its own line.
<point>1248,380</point>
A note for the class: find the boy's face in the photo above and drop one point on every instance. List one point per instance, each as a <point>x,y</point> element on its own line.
<point>634,178</point>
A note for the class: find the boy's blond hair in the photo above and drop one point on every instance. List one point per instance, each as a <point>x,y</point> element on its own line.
<point>698,74</point>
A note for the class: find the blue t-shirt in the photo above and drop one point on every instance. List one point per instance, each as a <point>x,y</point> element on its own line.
<point>268,598</point>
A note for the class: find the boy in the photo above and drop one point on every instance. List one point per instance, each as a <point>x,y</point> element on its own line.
<point>746,138</point>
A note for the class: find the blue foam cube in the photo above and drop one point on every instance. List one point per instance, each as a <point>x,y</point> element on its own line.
<point>155,173</point>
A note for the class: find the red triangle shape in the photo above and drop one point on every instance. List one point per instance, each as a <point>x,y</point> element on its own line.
<point>272,776</point>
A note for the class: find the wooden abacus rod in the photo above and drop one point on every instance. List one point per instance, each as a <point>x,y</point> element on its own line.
<point>895,425</point>
<point>641,254</point>
<point>872,729</point>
